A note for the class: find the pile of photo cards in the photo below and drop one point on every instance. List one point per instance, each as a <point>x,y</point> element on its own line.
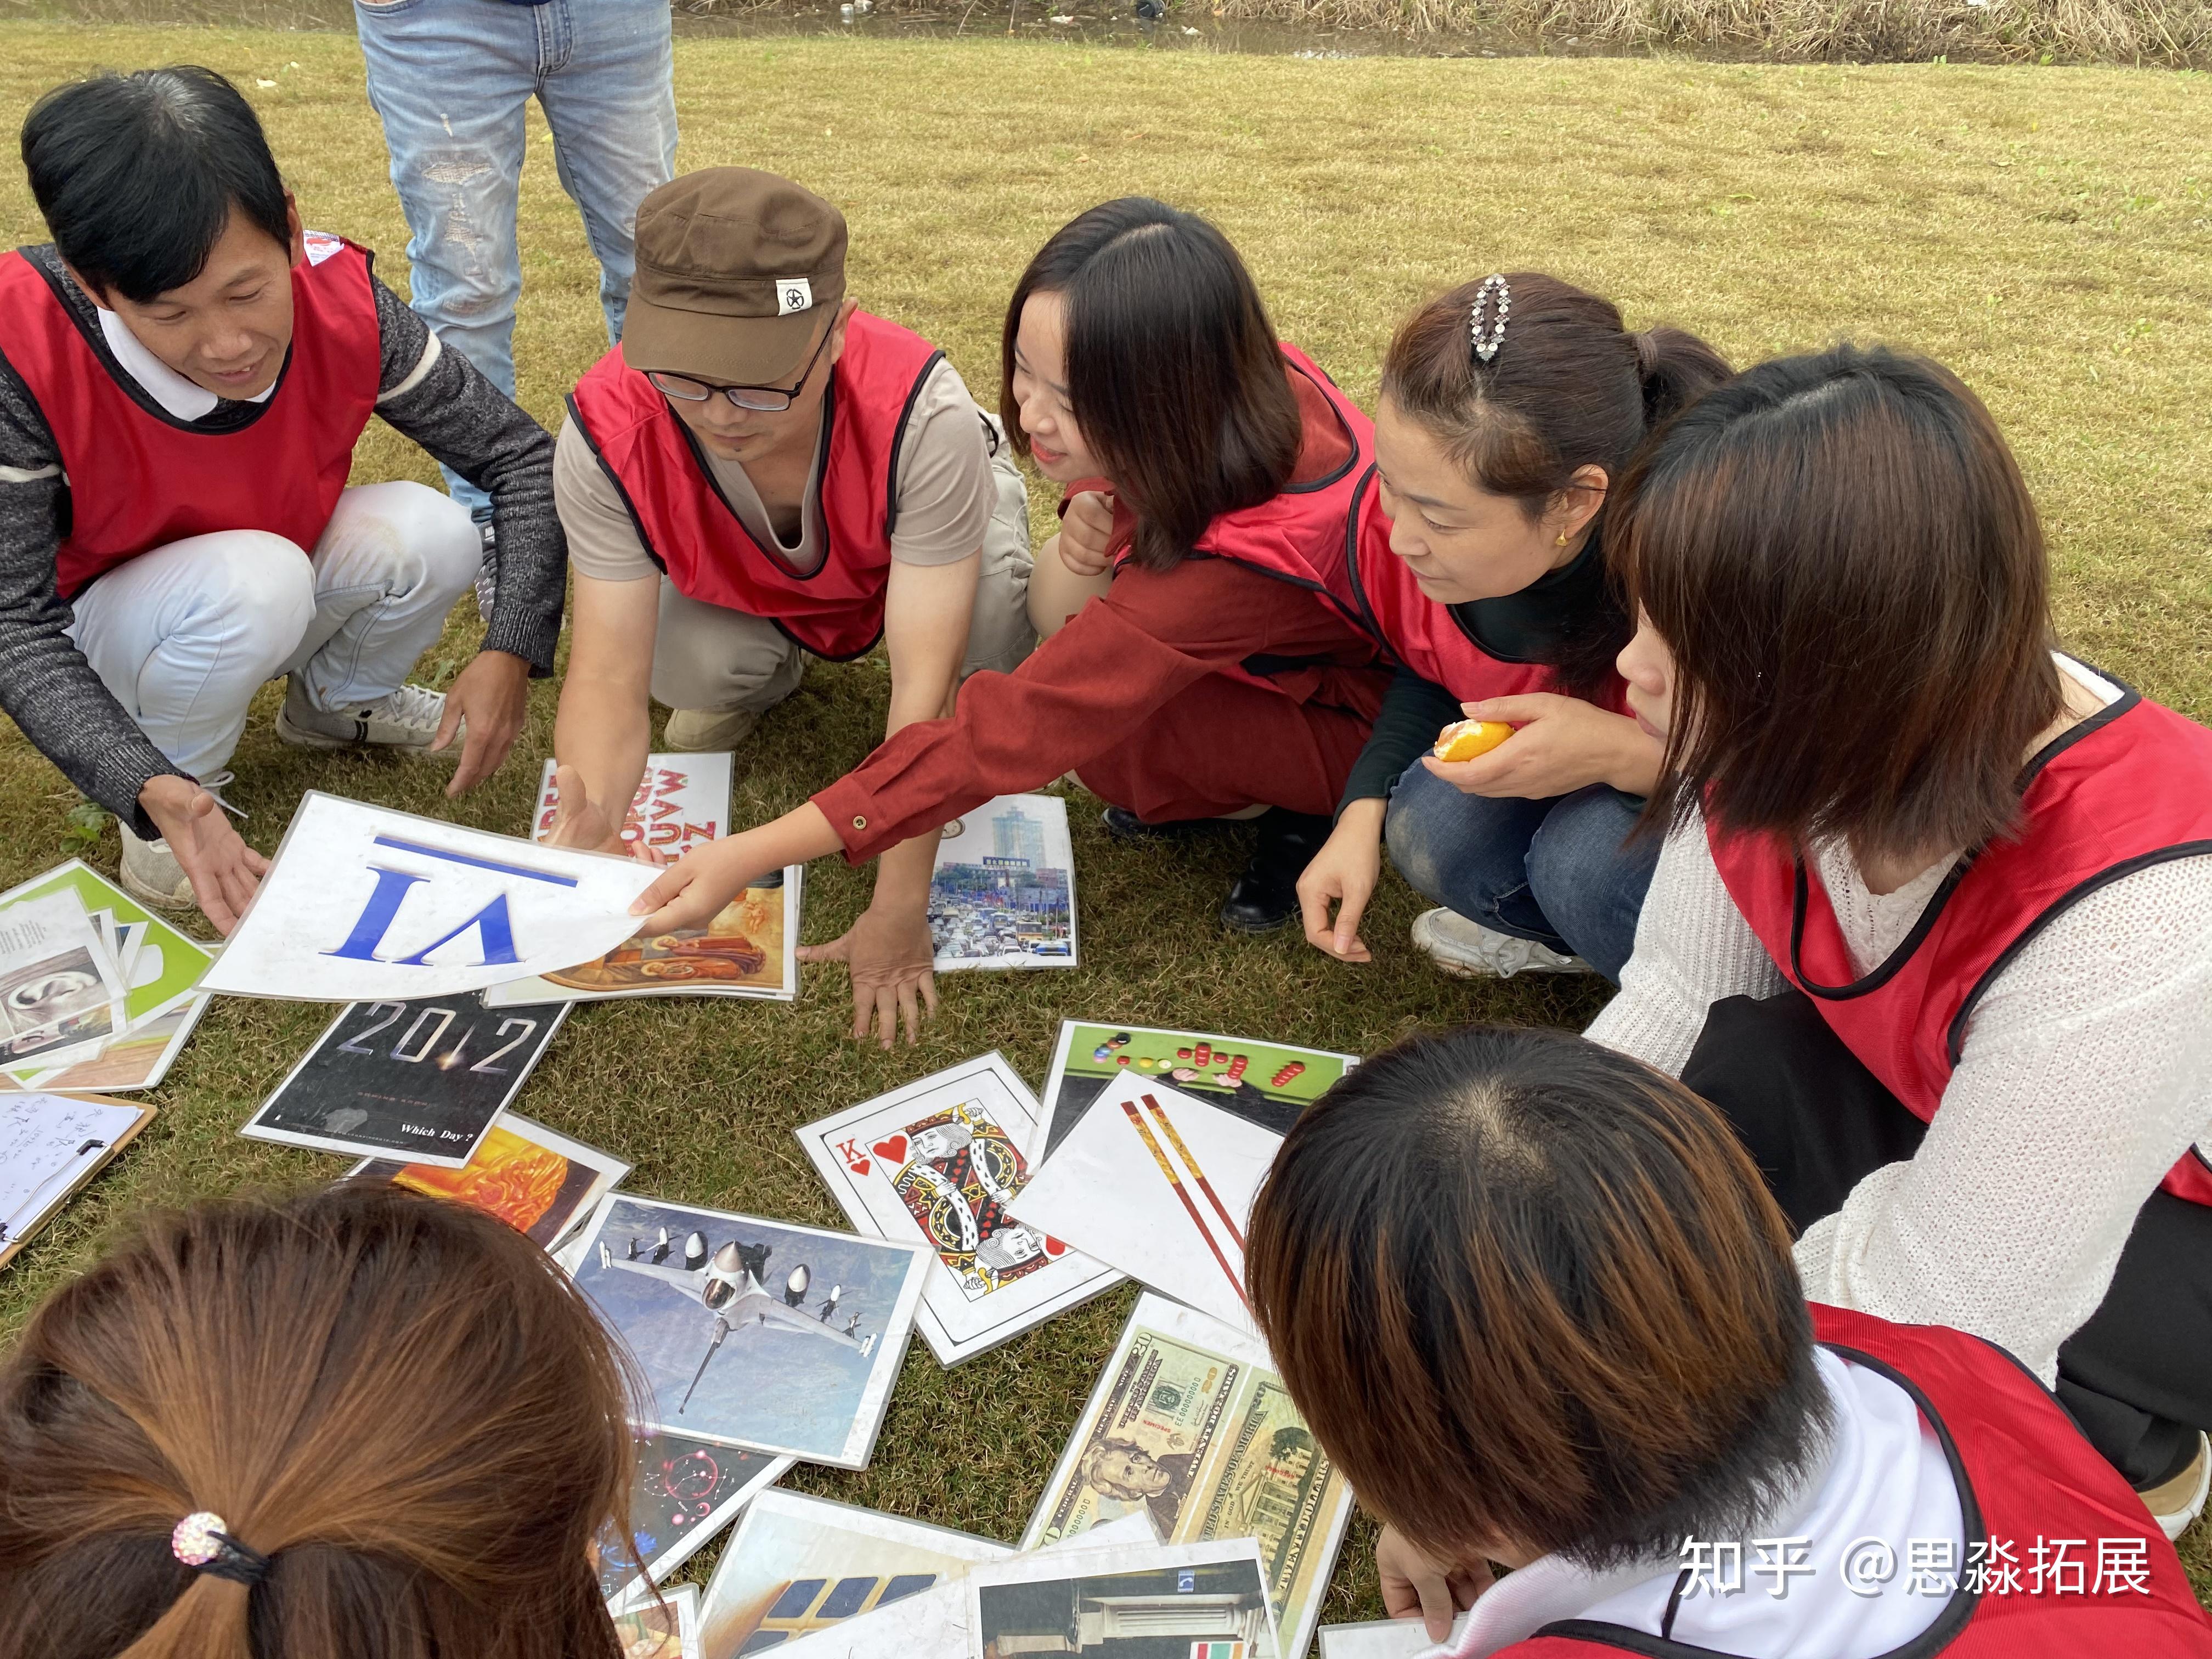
<point>1003,893</point>
<point>682,1493</point>
<point>816,1323</point>
<point>421,1080</point>
<point>95,991</point>
<point>1267,1084</point>
<point>1159,1185</point>
<point>664,1628</point>
<point>941,1160</point>
<point>797,1565</point>
<point>540,1183</point>
<point>749,948</point>
<point>1190,1426</point>
<point>49,1146</point>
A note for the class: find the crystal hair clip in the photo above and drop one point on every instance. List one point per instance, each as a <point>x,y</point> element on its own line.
<point>202,1541</point>
<point>1486,342</point>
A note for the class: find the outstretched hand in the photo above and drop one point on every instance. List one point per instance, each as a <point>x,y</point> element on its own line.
<point>223,870</point>
<point>892,961</point>
<point>578,820</point>
<point>691,892</point>
<point>1344,873</point>
<point>487,704</point>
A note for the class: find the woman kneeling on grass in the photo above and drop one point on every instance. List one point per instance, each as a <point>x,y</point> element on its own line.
<point>1934,924</point>
<point>1510,407</point>
<point>1212,679</point>
<point>359,1424</point>
<point>1534,1300</point>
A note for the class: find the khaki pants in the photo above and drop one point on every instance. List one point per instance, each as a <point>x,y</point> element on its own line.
<point>708,657</point>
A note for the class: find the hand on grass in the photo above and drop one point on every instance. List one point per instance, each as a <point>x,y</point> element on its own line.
<point>490,699</point>
<point>1416,1586</point>
<point>891,959</point>
<point>1085,531</point>
<point>1563,745</point>
<point>223,870</point>
<point>1344,873</point>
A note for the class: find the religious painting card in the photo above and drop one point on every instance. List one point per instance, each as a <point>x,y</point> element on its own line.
<point>1268,1083</point>
<point>1190,1424</point>
<point>364,905</point>
<point>683,1493</point>
<point>49,1146</point>
<point>940,1160</point>
<point>797,1565</point>
<point>749,948</point>
<point>1003,893</point>
<point>667,1628</point>
<point>1148,1602</point>
<point>751,1332</point>
<point>1159,1185</point>
<point>538,1182</point>
<point>422,1078</point>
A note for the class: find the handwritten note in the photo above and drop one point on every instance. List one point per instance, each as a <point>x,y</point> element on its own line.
<point>49,1145</point>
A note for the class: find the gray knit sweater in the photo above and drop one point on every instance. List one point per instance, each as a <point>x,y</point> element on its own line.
<point>49,690</point>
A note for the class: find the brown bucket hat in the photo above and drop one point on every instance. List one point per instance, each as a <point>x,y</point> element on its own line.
<point>734,269</point>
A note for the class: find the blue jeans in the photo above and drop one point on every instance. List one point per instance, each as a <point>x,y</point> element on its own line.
<point>1559,871</point>
<point>450,79</point>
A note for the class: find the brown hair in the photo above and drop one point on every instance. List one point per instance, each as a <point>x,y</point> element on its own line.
<point>401,1403</point>
<point>1841,553</point>
<point>1528,1291</point>
<point>1173,371</point>
<point>1569,388</point>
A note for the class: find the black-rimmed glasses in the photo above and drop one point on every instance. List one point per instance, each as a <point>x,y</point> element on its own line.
<point>763,399</point>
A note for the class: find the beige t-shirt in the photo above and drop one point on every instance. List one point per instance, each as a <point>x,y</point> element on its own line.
<point>946,493</point>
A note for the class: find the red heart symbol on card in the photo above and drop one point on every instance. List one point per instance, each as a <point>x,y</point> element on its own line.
<point>1053,1247</point>
<point>892,1151</point>
<point>860,1166</point>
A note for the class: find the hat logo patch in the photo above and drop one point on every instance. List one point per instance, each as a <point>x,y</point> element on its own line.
<point>794,294</point>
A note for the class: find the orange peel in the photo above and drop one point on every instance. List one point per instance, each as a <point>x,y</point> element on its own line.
<point>1463,740</point>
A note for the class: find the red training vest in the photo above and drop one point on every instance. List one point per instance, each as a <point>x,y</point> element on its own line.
<point>2024,1474</point>
<point>1426,636</point>
<point>139,478</point>
<point>1297,536</point>
<point>691,532</point>
<point>2130,786</point>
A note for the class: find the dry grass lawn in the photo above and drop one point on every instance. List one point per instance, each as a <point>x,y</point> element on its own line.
<point>2043,231</point>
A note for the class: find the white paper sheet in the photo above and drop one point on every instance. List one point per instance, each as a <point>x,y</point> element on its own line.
<point>364,905</point>
<point>939,1160</point>
<point>48,1145</point>
<point>1384,1638</point>
<point>1160,1186</point>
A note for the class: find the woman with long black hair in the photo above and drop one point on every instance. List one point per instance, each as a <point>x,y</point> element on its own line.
<point>1215,677</point>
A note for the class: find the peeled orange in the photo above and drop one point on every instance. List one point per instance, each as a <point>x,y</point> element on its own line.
<point>1465,739</point>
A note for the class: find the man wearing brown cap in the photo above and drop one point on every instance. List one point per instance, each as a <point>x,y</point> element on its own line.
<point>760,473</point>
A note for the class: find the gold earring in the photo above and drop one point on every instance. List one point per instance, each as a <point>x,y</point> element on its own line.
<point>1562,542</point>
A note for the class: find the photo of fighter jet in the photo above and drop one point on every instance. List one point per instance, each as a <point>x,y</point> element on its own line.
<point>751,1332</point>
<point>728,1284</point>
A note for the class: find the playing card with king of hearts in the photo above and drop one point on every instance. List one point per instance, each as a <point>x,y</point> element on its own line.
<point>941,1156</point>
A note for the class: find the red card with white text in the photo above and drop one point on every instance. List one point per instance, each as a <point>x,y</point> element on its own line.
<point>940,1160</point>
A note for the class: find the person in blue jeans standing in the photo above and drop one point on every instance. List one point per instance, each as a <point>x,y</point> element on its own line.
<point>451,79</point>
<point>1508,408</point>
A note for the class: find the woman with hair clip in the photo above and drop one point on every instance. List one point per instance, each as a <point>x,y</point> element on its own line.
<point>1215,677</point>
<point>1509,409</point>
<point>357,1424</point>
<point>1933,925</point>
<point>1533,1298</point>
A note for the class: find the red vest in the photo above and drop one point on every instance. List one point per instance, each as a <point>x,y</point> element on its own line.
<point>139,478</point>
<point>1299,535</point>
<point>2024,1474</point>
<point>2128,786</point>
<point>690,530</point>
<point>1424,636</point>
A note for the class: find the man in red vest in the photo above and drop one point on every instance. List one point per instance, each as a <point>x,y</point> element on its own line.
<point>762,473</point>
<point>186,372</point>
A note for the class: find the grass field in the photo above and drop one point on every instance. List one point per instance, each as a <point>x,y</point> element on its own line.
<point>2043,231</point>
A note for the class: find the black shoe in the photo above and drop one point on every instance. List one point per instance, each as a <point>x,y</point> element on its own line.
<point>1265,895</point>
<point>1124,825</point>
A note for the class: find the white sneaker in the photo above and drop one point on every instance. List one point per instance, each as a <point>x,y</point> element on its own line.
<point>708,731</point>
<point>406,720</point>
<point>151,873</point>
<point>1467,950</point>
<point>2177,1503</point>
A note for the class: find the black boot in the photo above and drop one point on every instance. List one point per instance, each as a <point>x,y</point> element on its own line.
<point>1124,825</point>
<point>1266,895</point>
